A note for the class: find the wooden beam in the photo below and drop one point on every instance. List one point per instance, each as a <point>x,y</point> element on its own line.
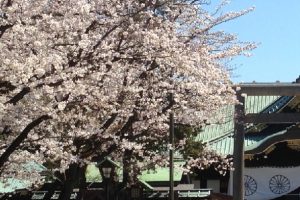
<point>271,89</point>
<point>171,167</point>
<point>291,134</point>
<point>272,118</point>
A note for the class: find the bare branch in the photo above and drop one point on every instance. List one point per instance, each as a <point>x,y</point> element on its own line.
<point>19,96</point>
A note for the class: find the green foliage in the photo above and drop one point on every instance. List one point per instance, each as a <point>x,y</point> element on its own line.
<point>191,148</point>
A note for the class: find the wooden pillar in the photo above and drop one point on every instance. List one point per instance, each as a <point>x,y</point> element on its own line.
<point>171,192</point>
<point>238,152</point>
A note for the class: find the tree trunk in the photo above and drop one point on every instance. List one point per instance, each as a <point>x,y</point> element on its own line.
<point>51,189</point>
<point>71,175</point>
<point>82,182</point>
<point>126,167</point>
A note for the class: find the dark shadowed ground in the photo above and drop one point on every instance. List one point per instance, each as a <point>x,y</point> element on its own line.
<point>218,196</point>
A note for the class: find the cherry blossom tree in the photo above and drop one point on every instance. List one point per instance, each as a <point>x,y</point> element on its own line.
<point>81,79</point>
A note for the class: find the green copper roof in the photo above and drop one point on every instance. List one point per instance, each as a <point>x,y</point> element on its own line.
<point>108,159</point>
<point>219,136</point>
<point>146,185</point>
<point>15,184</point>
<point>33,166</point>
<point>160,174</point>
<point>92,173</point>
<point>163,173</point>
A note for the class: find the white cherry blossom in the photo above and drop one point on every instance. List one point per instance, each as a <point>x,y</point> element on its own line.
<point>98,74</point>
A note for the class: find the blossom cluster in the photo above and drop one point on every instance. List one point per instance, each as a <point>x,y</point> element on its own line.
<point>210,158</point>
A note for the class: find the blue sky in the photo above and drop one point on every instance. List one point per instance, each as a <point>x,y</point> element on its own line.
<point>275,25</point>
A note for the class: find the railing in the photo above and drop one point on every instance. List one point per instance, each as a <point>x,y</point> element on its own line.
<point>192,193</point>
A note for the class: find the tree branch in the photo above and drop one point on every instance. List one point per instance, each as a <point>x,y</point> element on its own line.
<point>104,36</point>
<point>6,130</point>
<point>4,28</point>
<point>6,86</point>
<point>169,106</point>
<point>22,136</point>
<point>19,96</point>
